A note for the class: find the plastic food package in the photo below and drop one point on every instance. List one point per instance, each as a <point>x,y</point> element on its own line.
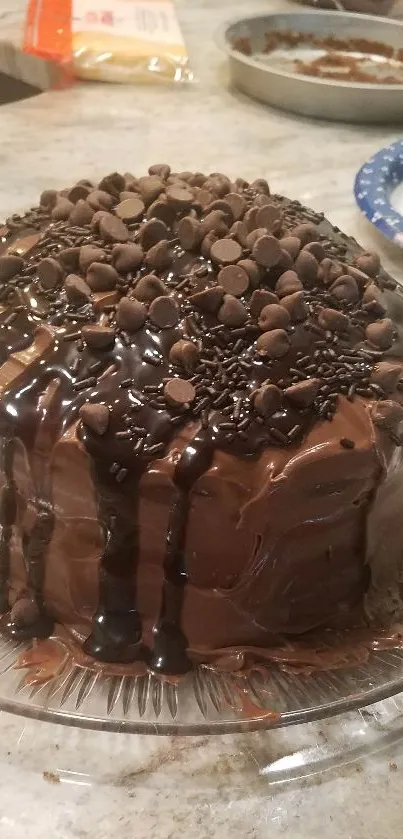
<point>110,40</point>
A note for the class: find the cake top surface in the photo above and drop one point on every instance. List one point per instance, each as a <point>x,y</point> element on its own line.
<point>139,305</point>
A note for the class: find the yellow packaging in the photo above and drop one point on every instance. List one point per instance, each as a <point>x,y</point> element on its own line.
<point>128,41</point>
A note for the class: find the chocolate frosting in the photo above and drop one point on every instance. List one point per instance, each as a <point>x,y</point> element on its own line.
<point>200,418</point>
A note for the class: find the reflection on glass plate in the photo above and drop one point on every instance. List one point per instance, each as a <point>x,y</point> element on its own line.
<point>45,681</point>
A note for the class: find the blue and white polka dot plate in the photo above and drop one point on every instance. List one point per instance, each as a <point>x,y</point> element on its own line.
<point>374,185</point>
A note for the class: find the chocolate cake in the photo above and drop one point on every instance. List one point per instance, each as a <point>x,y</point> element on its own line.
<point>200,420</point>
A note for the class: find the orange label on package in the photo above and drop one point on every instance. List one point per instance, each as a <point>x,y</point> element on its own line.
<point>48,29</point>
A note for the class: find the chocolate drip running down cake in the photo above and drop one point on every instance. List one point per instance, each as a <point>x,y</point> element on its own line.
<point>200,420</point>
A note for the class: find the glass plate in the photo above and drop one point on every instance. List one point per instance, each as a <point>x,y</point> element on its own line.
<point>44,681</point>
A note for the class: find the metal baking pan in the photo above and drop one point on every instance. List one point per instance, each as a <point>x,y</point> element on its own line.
<point>272,77</point>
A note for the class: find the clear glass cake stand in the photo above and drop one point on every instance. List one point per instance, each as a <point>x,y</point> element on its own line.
<point>55,688</point>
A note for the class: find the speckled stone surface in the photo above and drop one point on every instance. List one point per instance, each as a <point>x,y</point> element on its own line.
<point>70,784</point>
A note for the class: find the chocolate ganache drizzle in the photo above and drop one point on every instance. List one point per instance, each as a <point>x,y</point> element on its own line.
<point>140,309</point>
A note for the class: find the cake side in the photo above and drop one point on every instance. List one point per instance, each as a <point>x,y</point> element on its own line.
<point>200,402</point>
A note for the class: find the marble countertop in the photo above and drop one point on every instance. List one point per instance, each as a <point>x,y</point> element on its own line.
<point>69,784</point>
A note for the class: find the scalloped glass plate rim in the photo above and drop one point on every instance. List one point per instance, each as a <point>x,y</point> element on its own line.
<point>144,705</point>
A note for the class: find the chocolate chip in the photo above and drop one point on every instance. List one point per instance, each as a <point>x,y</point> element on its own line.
<point>98,337</point>
<point>272,317</point>
<point>77,290</point>
<point>130,209</point>
<point>232,312</point>
<point>86,182</point>
<point>101,277</point>
<point>95,416</point>
<point>226,251</point>
<point>10,265</point>
<point>185,354</point>
<point>359,276</point>
<point>130,314</point>
<point>241,184</point>
<point>345,289</point>
<point>260,185</point>
<point>372,300</point>
<point>164,312</point>
<point>153,231</point>
<point>197,179</point>
<point>306,267</point>
<point>100,200</point>
<point>295,306</point>
<point>306,233</point>
<point>62,209</point>
<point>234,280</point>
<point>207,244</point>
<point>269,217</point>
<point>179,197</point>
<point>208,300</point>
<point>161,169</point>
<point>97,218</point>
<point>329,271</point>
<point>190,233</point>
<point>223,208</point>
<point>215,222</point>
<point>237,204</point>
<point>285,263</point>
<point>316,249</point>
<point>130,182</point>
<point>90,254</point>
<point>254,235</point>
<point>113,184</point>
<point>369,263</point>
<point>179,392</point>
<point>24,612</point>
<point>105,300</point>
<point>218,184</point>
<point>239,231</point>
<point>387,414</point>
<point>162,210</point>
<point>381,333</point>
<point>125,196</point>
<point>203,197</point>
<point>333,320</point>
<point>266,251</point>
<point>113,229</point>
<point>81,214</point>
<point>179,178</point>
<point>386,374</point>
<point>69,257</point>
<point>48,199</point>
<point>148,288</point>
<point>273,344</point>
<point>253,271</point>
<point>250,218</point>
<point>261,297</point>
<point>267,400</point>
<point>50,272</point>
<point>303,394</point>
<point>288,283</point>
<point>261,200</point>
<point>291,244</point>
<point>127,257</point>
<point>79,192</point>
<point>160,255</point>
